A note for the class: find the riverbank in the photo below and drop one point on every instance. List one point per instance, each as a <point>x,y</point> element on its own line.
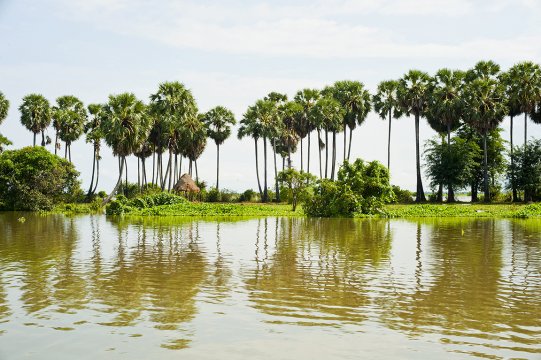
<point>258,209</point>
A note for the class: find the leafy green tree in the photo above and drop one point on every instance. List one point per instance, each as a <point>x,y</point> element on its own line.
<point>298,185</point>
<point>328,114</point>
<point>452,164</point>
<point>361,188</point>
<point>69,118</point>
<point>525,170</point>
<point>524,83</point>
<point>125,126</point>
<point>218,122</point>
<point>304,124</point>
<point>485,108</point>
<point>36,115</point>
<point>413,97</point>
<point>386,105</point>
<point>356,101</point>
<point>4,107</point>
<point>31,178</point>
<point>94,134</point>
<point>175,111</point>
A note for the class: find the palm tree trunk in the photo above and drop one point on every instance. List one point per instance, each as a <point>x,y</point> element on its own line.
<point>389,145</point>
<point>474,197</point>
<point>69,150</point>
<point>326,153</point>
<point>126,169</point>
<point>333,153</point>
<point>42,138</point>
<point>349,145</point>
<point>196,172</point>
<point>485,169</point>
<point>525,128</point>
<point>277,188</point>
<point>56,143</point>
<point>93,170</point>
<point>97,173</point>
<point>218,167</point>
<point>153,161</point>
<point>35,139</point>
<point>65,152</point>
<point>176,170</point>
<point>513,186</point>
<point>257,169</point>
<point>308,157</point>
<point>450,192</point>
<point>301,156</point>
<point>420,196</point>
<point>110,196</point>
<point>144,168</point>
<point>170,168</point>
<point>265,191</point>
<point>319,151</point>
<point>345,134</point>
<point>283,163</point>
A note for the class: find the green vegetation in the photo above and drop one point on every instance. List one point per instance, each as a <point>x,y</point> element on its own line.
<point>463,210</point>
<point>34,179</point>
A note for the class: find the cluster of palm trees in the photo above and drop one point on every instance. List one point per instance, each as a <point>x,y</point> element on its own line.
<point>479,98</point>
<point>169,124</point>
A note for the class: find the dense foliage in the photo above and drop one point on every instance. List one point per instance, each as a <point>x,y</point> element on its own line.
<point>361,188</point>
<point>34,179</point>
<point>525,170</point>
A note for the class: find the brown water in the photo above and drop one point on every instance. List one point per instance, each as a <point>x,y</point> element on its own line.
<point>92,287</point>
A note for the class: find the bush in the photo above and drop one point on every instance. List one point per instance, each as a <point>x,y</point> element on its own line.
<point>402,196</point>
<point>123,205</point>
<point>34,179</point>
<point>361,188</point>
<point>213,195</point>
<point>248,195</point>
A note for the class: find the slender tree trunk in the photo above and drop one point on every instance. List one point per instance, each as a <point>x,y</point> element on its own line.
<point>326,153</point>
<point>277,188</point>
<point>65,152</point>
<point>265,191</point>
<point>319,152</point>
<point>126,170</point>
<point>349,145</point>
<point>56,143</point>
<point>289,156</point>
<point>439,195</point>
<point>389,145</point>
<point>308,155</point>
<point>302,156</point>
<point>119,181</point>
<point>513,186</point>
<point>196,172</point>
<point>333,153</point>
<point>153,162</point>
<point>97,172</point>
<point>69,151</point>
<point>485,169</point>
<point>93,170</point>
<point>170,169</point>
<point>257,169</point>
<point>450,192</point>
<point>139,175</point>
<point>345,134</point>
<point>218,167</point>
<point>42,138</point>
<point>283,163</point>
<point>35,139</point>
<point>474,196</point>
<point>176,170</point>
<point>420,196</point>
<point>525,128</point>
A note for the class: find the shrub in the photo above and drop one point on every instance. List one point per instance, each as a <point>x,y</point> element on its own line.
<point>123,205</point>
<point>248,195</point>
<point>402,196</point>
<point>213,195</point>
<point>34,179</point>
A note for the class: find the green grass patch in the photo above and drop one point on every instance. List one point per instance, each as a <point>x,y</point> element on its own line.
<point>463,210</point>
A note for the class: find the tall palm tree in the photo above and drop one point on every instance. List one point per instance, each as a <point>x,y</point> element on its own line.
<point>356,101</point>
<point>275,129</point>
<point>69,117</point>
<point>386,105</point>
<point>36,115</point>
<point>173,105</point>
<point>304,123</point>
<point>192,142</point>
<point>289,114</point>
<point>142,153</point>
<point>125,126</point>
<point>267,116</point>
<point>94,135</point>
<point>413,92</point>
<point>507,79</point>
<point>250,126</point>
<point>485,108</point>
<point>218,122</point>
<point>329,114</point>
<point>525,89</point>
<point>446,106</point>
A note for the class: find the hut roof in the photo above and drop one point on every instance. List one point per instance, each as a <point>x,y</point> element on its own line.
<point>186,183</point>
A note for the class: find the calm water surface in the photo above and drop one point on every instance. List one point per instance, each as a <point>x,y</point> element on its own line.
<point>93,287</point>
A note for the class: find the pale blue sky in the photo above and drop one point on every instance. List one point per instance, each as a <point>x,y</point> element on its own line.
<point>233,52</point>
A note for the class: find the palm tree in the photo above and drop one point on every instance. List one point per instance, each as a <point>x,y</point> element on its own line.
<point>250,126</point>
<point>304,124</point>
<point>507,79</point>
<point>94,135</point>
<point>386,105</point>
<point>525,89</point>
<point>218,122</point>
<point>267,115</point>
<point>412,94</point>
<point>125,126</point>
<point>290,113</point>
<point>69,117</point>
<point>142,153</point>
<point>173,105</point>
<point>275,129</point>
<point>485,108</point>
<point>36,115</point>
<point>329,114</point>
<point>4,107</point>
<point>446,106</point>
<point>356,101</point>
<point>192,140</point>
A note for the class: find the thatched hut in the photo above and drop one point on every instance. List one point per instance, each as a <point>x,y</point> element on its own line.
<point>187,185</point>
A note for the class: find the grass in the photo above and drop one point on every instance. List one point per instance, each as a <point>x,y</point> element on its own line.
<point>464,210</point>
